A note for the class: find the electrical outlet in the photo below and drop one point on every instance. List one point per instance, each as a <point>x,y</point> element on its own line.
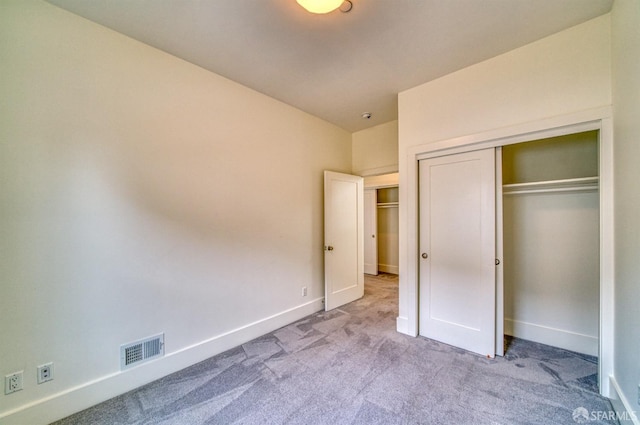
<point>304,291</point>
<point>13,382</point>
<point>45,373</point>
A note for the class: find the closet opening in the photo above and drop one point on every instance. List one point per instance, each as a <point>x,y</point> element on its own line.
<point>387,226</point>
<point>381,233</point>
<point>551,242</point>
<point>599,124</point>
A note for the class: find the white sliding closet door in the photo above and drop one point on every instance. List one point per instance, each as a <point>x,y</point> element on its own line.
<point>458,247</point>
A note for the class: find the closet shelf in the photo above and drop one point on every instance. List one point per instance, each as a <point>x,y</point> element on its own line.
<point>550,186</point>
<point>387,204</point>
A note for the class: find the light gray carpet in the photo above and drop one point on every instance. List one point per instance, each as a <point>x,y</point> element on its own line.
<point>350,366</point>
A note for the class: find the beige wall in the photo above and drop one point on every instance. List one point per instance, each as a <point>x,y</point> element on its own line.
<point>375,154</point>
<point>625,19</point>
<point>375,150</point>
<point>563,73</point>
<point>142,194</point>
<point>388,240</point>
<point>564,157</point>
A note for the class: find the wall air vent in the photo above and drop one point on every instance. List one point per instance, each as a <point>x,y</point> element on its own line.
<point>138,352</point>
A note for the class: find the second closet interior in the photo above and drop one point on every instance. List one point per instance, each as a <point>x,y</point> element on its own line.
<point>387,209</point>
<point>551,241</point>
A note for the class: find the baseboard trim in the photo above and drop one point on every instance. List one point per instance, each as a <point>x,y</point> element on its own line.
<point>624,412</point>
<point>72,400</point>
<point>551,336</point>
<point>386,268</point>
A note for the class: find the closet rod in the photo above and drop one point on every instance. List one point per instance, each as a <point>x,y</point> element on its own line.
<point>559,189</point>
<point>388,205</point>
<point>551,186</point>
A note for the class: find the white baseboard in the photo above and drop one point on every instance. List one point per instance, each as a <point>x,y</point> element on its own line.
<point>625,414</point>
<point>72,400</point>
<point>551,336</point>
<point>388,268</point>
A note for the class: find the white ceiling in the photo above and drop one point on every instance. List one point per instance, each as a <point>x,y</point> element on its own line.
<point>339,65</point>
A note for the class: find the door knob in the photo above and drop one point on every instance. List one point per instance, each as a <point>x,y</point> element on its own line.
<point>424,255</point>
<point>328,248</point>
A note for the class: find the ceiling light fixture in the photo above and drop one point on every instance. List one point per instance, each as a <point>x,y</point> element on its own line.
<point>325,6</point>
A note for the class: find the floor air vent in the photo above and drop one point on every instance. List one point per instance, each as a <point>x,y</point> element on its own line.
<point>138,352</point>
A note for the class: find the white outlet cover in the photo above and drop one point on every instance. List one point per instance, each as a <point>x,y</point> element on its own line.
<point>45,373</point>
<point>13,382</point>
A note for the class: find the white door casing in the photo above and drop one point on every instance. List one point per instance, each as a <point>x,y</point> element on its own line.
<point>591,119</point>
<point>371,231</point>
<point>499,257</point>
<point>457,250</point>
<point>343,238</point>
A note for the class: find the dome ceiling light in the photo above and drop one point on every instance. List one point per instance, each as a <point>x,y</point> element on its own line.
<point>325,6</point>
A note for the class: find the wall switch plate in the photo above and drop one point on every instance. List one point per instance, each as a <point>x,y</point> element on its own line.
<point>13,382</point>
<point>45,373</point>
<point>304,291</point>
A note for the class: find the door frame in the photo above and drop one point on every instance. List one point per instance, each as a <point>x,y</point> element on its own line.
<point>382,181</point>
<point>594,119</point>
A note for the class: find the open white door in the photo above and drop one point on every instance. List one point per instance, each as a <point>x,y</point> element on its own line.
<point>457,248</point>
<point>343,239</point>
<point>371,231</point>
